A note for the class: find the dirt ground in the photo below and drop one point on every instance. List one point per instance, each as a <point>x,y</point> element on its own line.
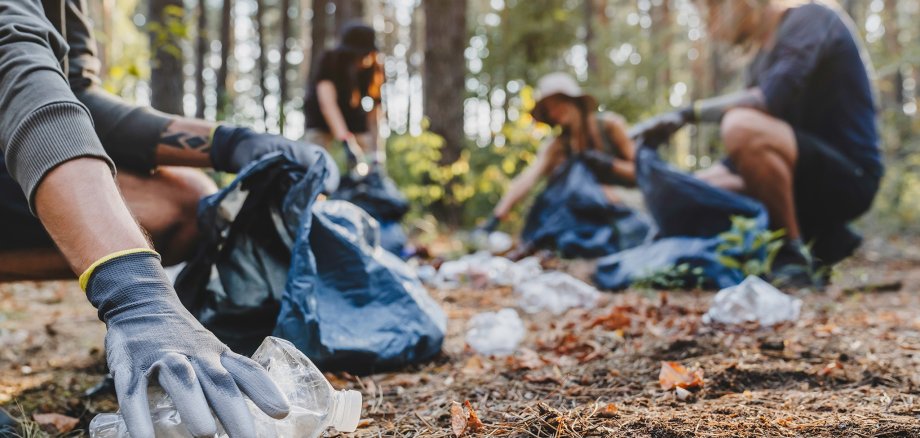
<point>849,367</point>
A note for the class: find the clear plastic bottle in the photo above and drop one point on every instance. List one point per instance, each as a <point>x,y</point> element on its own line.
<point>315,404</point>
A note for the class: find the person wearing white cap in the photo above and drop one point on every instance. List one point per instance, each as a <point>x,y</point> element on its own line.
<point>598,138</point>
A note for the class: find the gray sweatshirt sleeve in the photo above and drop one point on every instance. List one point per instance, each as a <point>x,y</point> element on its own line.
<point>129,133</point>
<point>42,123</point>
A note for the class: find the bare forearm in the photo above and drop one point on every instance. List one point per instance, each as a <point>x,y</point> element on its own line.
<point>80,206</point>
<point>712,109</point>
<point>328,105</point>
<point>519,188</point>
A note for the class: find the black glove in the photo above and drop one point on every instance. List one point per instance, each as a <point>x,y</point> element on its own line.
<point>151,336</point>
<point>232,148</point>
<point>489,225</point>
<point>660,128</point>
<point>600,163</point>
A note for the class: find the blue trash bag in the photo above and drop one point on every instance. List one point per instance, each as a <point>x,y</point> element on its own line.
<point>690,215</point>
<point>258,251</point>
<point>378,195</point>
<point>573,216</point>
<point>351,305</point>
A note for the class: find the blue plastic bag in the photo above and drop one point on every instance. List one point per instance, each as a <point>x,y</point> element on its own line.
<point>378,195</point>
<point>273,261</point>
<point>690,214</point>
<point>574,216</point>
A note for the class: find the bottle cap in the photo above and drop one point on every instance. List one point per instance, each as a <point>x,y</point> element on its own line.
<point>350,412</point>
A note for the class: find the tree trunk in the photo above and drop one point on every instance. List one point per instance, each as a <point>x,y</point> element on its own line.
<point>591,57</point>
<point>445,72</point>
<point>345,11</point>
<point>166,75</point>
<point>262,61</point>
<point>226,52</point>
<point>443,85</point>
<point>284,67</point>
<point>201,54</point>
<point>319,32</point>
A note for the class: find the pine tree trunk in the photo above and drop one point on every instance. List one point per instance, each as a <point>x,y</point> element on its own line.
<point>319,32</point>
<point>262,61</point>
<point>203,49</point>
<point>345,11</point>
<point>284,67</point>
<point>444,75</point>
<point>166,73</point>
<point>226,52</point>
<point>445,72</point>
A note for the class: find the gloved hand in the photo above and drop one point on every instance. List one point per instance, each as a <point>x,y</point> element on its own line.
<point>660,128</point>
<point>152,336</point>
<point>489,226</point>
<point>600,163</point>
<point>232,148</point>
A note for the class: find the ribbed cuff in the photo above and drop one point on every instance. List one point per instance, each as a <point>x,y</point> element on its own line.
<point>51,135</point>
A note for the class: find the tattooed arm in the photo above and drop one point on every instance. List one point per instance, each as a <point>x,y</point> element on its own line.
<point>185,142</point>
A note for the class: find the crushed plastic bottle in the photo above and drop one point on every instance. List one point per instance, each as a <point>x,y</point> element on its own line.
<point>482,269</point>
<point>495,333</point>
<point>754,300</point>
<point>555,292</point>
<point>315,405</point>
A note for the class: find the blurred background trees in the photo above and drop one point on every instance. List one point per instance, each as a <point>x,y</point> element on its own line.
<point>459,76</point>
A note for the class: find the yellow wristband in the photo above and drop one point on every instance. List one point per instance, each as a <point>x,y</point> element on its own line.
<point>85,276</point>
<point>211,135</point>
<point>697,110</point>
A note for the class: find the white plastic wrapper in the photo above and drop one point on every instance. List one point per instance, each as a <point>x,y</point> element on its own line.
<point>556,292</point>
<point>753,300</point>
<point>495,333</point>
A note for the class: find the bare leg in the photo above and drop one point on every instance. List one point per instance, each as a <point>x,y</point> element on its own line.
<point>165,204</point>
<point>765,152</point>
<point>719,176</point>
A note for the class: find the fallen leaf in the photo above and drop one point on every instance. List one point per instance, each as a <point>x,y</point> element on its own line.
<point>458,419</point>
<point>831,368</point>
<point>617,319</point>
<point>473,423</point>
<point>542,378</point>
<point>526,359</point>
<point>609,411</point>
<point>59,423</point>
<point>675,375</point>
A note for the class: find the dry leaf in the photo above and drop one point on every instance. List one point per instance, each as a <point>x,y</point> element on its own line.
<point>57,422</point>
<point>473,423</point>
<point>831,368</point>
<point>674,375</point>
<point>526,359</point>
<point>458,419</point>
<point>609,411</point>
<point>617,319</point>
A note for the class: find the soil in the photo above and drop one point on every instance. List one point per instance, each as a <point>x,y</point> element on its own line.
<point>850,366</point>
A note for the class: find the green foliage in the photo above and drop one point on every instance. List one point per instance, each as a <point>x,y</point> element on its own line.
<point>672,278</point>
<point>748,249</point>
<point>169,30</point>
<point>477,180</point>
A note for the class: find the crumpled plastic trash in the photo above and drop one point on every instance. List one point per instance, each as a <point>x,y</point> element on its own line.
<point>315,405</point>
<point>495,333</point>
<point>753,300</point>
<point>555,292</point>
<point>482,269</point>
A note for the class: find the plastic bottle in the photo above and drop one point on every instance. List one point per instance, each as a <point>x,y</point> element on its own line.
<point>315,404</point>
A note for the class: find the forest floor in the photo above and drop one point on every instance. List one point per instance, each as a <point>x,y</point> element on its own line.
<point>849,367</point>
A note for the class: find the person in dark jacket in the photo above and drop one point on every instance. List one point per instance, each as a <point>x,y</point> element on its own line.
<point>62,139</point>
<point>801,137</point>
<point>343,96</point>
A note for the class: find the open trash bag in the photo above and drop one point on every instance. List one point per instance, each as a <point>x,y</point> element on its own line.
<point>378,195</point>
<point>574,216</point>
<point>272,262</point>
<point>690,214</point>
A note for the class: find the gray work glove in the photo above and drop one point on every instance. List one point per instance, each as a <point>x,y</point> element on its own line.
<point>232,148</point>
<point>152,336</point>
